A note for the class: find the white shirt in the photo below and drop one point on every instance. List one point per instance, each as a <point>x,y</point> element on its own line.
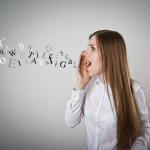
<point>93,104</point>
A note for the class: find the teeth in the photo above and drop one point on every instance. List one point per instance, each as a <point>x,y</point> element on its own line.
<point>88,63</point>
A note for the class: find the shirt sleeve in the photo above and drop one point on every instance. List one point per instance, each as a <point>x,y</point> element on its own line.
<point>142,143</point>
<point>74,114</point>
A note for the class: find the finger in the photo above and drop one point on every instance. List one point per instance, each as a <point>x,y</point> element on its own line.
<point>83,62</point>
<point>79,61</point>
<point>84,54</point>
<point>78,64</point>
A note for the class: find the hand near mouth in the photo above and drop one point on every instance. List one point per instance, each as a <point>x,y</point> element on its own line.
<point>83,76</point>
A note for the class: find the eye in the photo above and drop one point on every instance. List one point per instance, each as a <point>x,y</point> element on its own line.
<point>93,48</point>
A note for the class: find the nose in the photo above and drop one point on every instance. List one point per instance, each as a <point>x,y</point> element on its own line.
<point>85,53</point>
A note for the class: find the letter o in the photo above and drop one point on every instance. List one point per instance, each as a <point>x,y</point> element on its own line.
<point>3,59</point>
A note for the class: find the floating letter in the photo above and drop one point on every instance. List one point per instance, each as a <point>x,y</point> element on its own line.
<point>1,42</point>
<point>64,64</point>
<point>49,49</point>
<point>27,61</point>
<point>1,52</point>
<point>22,55</point>
<point>41,62</point>
<point>7,47</point>
<point>34,61</point>
<point>19,62</point>
<point>70,61</point>
<point>21,46</point>
<point>50,58</point>
<point>3,59</point>
<point>61,53</point>
<point>11,62</point>
<point>12,52</point>
<point>31,54</point>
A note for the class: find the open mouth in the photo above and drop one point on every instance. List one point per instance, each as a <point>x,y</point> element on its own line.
<point>88,63</point>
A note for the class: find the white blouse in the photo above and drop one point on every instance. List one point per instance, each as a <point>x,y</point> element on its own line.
<point>93,104</point>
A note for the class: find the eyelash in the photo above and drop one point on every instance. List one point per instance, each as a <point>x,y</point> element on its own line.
<point>92,47</point>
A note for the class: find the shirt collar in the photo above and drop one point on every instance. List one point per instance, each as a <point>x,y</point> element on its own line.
<point>98,81</point>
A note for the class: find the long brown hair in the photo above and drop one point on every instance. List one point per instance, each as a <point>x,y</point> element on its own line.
<point>115,69</point>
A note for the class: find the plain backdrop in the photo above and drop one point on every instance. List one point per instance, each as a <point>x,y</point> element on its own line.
<point>33,97</point>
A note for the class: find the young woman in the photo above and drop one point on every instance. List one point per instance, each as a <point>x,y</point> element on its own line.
<point>113,104</point>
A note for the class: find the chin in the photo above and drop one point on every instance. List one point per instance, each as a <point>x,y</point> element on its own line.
<point>91,74</point>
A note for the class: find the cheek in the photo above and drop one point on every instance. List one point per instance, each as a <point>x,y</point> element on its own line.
<point>98,60</point>
<point>98,63</point>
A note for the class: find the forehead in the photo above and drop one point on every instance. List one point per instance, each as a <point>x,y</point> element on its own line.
<point>92,41</point>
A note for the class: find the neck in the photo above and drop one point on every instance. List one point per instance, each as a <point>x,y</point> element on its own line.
<point>101,78</point>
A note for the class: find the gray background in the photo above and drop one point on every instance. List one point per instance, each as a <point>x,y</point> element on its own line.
<point>33,97</point>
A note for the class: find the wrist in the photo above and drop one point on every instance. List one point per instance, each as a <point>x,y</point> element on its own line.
<point>80,87</point>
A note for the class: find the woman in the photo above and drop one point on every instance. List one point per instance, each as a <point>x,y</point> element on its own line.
<point>113,104</point>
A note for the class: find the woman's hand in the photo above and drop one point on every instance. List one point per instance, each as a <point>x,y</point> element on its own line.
<point>83,76</point>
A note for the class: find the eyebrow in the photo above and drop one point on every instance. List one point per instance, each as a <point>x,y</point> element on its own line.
<point>91,45</point>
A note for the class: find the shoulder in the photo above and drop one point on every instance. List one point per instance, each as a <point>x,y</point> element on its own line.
<point>140,97</point>
<point>136,86</point>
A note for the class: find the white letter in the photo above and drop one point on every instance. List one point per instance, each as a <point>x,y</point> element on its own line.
<point>7,47</point>
<point>41,62</point>
<point>21,45</point>
<point>1,42</point>
<point>4,60</point>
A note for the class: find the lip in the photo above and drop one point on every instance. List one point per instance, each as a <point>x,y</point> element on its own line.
<point>87,60</point>
<point>88,66</point>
